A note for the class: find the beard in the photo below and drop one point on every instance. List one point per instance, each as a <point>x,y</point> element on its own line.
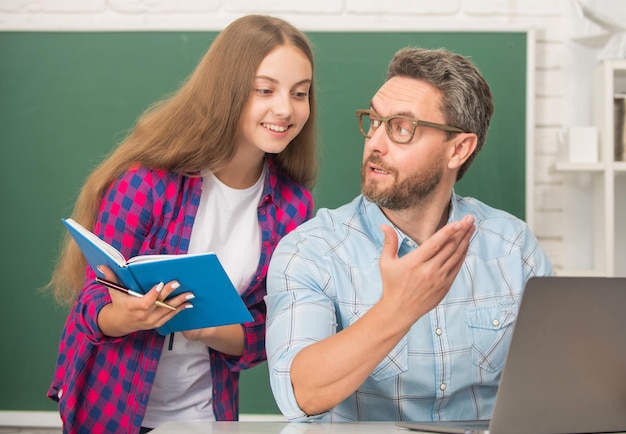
<point>402,194</point>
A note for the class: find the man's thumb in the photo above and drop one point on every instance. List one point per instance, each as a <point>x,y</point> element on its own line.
<point>390,243</point>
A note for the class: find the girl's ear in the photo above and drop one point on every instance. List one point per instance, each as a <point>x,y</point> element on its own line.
<point>461,147</point>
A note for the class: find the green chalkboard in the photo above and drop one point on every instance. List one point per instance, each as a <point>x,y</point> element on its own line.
<point>67,98</point>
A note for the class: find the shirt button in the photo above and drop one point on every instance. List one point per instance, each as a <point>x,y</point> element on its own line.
<point>438,331</point>
<point>442,386</point>
<point>495,323</point>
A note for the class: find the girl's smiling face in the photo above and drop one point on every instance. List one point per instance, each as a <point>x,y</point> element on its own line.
<point>279,104</point>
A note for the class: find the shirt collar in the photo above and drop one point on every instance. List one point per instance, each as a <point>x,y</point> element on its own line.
<point>271,180</point>
<point>405,244</point>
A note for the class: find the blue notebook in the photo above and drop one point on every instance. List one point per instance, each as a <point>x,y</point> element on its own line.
<point>216,300</point>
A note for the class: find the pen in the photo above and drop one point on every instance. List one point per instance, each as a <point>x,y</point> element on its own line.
<point>117,287</point>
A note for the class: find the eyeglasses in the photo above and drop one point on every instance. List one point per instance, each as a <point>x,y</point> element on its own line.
<point>400,129</point>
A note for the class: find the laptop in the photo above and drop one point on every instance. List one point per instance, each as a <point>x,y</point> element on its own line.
<point>565,370</point>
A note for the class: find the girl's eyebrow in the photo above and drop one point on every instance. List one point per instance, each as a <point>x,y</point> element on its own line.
<point>273,80</point>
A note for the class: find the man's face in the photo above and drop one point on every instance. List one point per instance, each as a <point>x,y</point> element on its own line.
<point>399,176</point>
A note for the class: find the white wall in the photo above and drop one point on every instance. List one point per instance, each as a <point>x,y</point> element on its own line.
<point>562,81</point>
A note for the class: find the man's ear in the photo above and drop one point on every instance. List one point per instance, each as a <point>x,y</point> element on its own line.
<point>461,147</point>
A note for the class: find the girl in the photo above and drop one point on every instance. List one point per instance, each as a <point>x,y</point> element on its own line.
<point>225,165</point>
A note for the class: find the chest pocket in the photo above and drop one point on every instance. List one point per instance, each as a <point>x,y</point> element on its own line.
<point>491,328</point>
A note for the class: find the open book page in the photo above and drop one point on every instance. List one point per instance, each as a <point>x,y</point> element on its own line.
<point>93,238</point>
<point>151,258</point>
<point>111,251</point>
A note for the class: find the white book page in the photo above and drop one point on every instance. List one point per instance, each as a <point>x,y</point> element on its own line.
<point>112,251</point>
<point>149,258</point>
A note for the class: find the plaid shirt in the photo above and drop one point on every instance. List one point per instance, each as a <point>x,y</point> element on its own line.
<point>324,276</point>
<point>102,384</point>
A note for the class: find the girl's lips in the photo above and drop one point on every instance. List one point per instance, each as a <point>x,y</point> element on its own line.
<point>277,128</point>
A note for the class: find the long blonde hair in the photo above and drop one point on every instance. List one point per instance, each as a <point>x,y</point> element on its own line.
<point>196,128</point>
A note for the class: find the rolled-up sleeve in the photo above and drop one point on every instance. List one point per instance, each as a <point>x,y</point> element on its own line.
<point>299,313</point>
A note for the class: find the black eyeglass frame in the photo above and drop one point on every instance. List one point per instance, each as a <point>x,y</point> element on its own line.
<point>415,122</point>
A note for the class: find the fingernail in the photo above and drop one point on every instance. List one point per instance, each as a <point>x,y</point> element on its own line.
<point>99,269</point>
<point>160,286</point>
<point>189,297</point>
<point>175,285</point>
<point>188,306</point>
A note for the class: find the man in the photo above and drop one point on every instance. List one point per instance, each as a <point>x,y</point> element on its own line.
<point>400,305</point>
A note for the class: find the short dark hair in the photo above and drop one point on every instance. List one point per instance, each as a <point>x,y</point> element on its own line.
<point>467,101</point>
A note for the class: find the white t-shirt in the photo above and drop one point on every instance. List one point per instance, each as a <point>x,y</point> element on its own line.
<point>227,224</point>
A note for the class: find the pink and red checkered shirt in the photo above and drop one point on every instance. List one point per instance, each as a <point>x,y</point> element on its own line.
<point>102,384</point>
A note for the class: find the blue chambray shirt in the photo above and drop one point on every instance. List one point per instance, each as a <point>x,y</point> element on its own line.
<point>324,276</point>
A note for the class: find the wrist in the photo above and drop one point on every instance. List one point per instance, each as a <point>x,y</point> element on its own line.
<point>109,324</point>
